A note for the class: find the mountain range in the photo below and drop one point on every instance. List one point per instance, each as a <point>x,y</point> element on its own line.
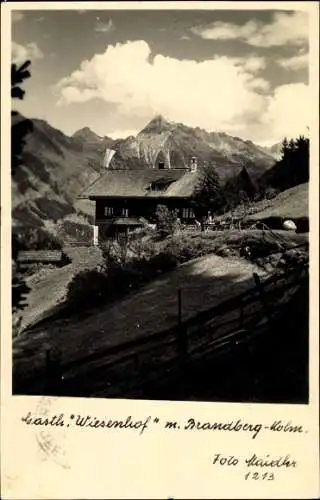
<point>175,143</point>
<point>57,168</point>
<point>274,150</point>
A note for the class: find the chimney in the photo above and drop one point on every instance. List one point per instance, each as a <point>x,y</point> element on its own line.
<point>194,164</point>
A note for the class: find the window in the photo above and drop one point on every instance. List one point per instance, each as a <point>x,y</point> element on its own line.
<point>108,211</point>
<point>188,213</point>
<point>159,185</point>
<point>125,212</point>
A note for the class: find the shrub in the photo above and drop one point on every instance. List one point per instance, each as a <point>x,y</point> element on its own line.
<point>227,251</point>
<point>88,288</point>
<point>270,193</point>
<point>142,248</point>
<point>184,248</point>
<point>166,220</point>
<point>121,279</point>
<point>116,279</point>
<point>294,258</point>
<point>113,253</point>
<point>163,262</point>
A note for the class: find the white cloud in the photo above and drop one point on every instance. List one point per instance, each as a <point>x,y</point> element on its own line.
<point>20,53</point>
<point>208,93</point>
<point>218,94</point>
<point>294,63</point>
<point>225,31</point>
<point>289,110</point>
<point>104,26</point>
<point>285,28</point>
<point>17,16</point>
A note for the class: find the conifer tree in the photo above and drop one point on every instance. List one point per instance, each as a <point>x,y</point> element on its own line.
<point>19,129</point>
<point>208,194</point>
<point>20,126</point>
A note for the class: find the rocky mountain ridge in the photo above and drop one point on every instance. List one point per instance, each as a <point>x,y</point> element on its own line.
<point>57,168</point>
<point>175,143</point>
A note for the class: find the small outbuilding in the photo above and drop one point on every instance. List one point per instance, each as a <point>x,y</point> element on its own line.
<point>27,258</point>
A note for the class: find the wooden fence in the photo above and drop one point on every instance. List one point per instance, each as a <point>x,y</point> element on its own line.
<point>124,370</point>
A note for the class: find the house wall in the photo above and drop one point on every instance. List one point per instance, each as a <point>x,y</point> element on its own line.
<point>110,232</point>
<point>107,209</point>
<point>135,208</point>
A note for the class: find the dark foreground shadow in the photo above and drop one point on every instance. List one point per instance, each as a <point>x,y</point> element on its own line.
<point>271,368</point>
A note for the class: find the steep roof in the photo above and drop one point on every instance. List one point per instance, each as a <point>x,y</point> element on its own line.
<point>144,182</point>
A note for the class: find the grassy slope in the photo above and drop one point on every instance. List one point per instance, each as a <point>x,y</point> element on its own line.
<point>48,287</point>
<point>291,203</point>
<point>205,282</point>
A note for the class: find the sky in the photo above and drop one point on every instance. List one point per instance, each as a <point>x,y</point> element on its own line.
<point>244,73</point>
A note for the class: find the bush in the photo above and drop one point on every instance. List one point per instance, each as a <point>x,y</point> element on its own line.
<point>88,288</point>
<point>121,279</point>
<point>183,248</point>
<point>294,258</point>
<point>142,248</point>
<point>163,262</point>
<point>166,220</point>
<point>113,253</point>
<point>227,251</point>
<point>116,279</point>
<point>270,193</point>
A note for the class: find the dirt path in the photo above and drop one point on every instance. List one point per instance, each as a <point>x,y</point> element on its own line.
<point>48,287</point>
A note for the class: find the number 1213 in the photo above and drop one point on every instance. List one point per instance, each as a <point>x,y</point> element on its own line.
<point>267,476</point>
